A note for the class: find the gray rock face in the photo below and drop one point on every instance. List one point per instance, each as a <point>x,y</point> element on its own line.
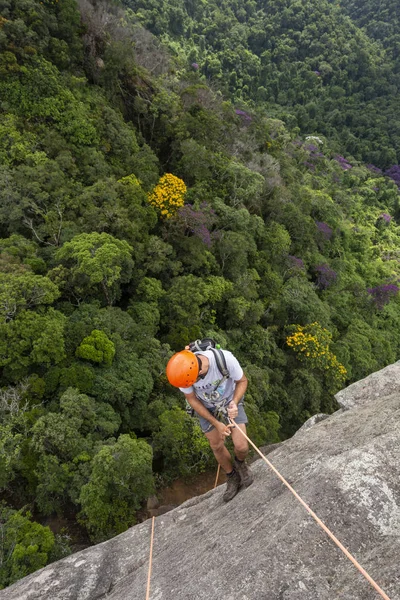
<point>382,383</point>
<point>311,422</point>
<point>263,545</point>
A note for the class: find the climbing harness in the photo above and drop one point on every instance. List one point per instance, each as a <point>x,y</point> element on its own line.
<point>316,518</point>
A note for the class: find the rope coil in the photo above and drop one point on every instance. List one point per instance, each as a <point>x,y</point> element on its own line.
<point>315,517</point>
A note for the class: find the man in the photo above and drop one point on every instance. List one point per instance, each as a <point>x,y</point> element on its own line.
<point>208,392</point>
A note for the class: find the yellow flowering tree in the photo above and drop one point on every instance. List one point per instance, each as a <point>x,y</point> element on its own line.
<point>168,195</point>
<point>311,345</point>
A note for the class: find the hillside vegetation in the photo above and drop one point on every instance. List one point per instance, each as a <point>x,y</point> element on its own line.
<point>305,61</point>
<point>380,20</point>
<point>140,209</point>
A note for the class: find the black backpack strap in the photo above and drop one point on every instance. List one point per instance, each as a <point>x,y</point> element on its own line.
<point>221,362</point>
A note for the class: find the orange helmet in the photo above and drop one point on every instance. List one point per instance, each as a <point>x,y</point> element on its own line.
<point>183,369</point>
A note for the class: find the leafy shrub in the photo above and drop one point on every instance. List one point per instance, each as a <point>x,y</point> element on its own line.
<point>25,545</point>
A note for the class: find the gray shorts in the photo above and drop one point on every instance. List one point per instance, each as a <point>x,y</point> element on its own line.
<point>206,426</point>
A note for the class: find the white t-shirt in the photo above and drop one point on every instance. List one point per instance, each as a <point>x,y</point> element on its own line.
<point>207,390</point>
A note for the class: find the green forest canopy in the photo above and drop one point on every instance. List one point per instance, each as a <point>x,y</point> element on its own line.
<point>141,208</point>
<point>306,62</point>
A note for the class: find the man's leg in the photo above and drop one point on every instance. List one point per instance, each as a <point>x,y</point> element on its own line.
<point>241,451</point>
<point>240,443</point>
<point>221,453</point>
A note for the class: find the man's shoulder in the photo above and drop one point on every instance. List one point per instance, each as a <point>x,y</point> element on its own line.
<point>233,365</point>
<point>229,355</point>
<point>212,355</point>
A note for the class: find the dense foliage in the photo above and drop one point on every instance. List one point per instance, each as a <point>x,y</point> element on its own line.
<point>306,62</point>
<point>140,209</point>
<point>380,20</point>
<point>26,545</point>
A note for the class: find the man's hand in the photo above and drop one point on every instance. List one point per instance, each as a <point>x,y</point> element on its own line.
<point>223,429</point>
<point>232,410</point>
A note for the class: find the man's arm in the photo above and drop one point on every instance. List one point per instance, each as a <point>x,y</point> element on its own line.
<point>240,389</point>
<point>203,412</point>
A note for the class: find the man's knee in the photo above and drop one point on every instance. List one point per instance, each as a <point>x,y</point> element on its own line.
<point>216,441</point>
<point>217,446</point>
<point>241,446</point>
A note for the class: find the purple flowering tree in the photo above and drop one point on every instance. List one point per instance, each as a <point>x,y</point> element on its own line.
<point>325,276</point>
<point>314,155</point>
<point>382,294</point>
<point>246,118</point>
<point>374,169</point>
<point>295,263</point>
<point>394,173</point>
<point>199,222</point>
<point>343,162</point>
<point>324,230</point>
<point>385,217</point>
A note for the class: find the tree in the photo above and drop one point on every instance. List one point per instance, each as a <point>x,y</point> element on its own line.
<point>65,433</point>
<point>97,259</point>
<point>311,345</point>
<point>10,449</point>
<point>97,348</point>
<point>127,385</point>
<point>183,446</point>
<point>24,290</point>
<point>25,546</point>
<point>119,208</point>
<point>300,303</point>
<point>65,443</point>
<point>121,478</point>
<point>168,195</point>
<point>31,340</point>
<point>190,302</point>
<point>233,250</point>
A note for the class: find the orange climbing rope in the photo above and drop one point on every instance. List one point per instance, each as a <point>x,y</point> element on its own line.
<point>216,479</point>
<point>317,519</point>
<point>150,559</point>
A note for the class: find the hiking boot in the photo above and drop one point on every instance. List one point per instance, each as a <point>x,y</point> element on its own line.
<point>232,487</point>
<point>246,476</point>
